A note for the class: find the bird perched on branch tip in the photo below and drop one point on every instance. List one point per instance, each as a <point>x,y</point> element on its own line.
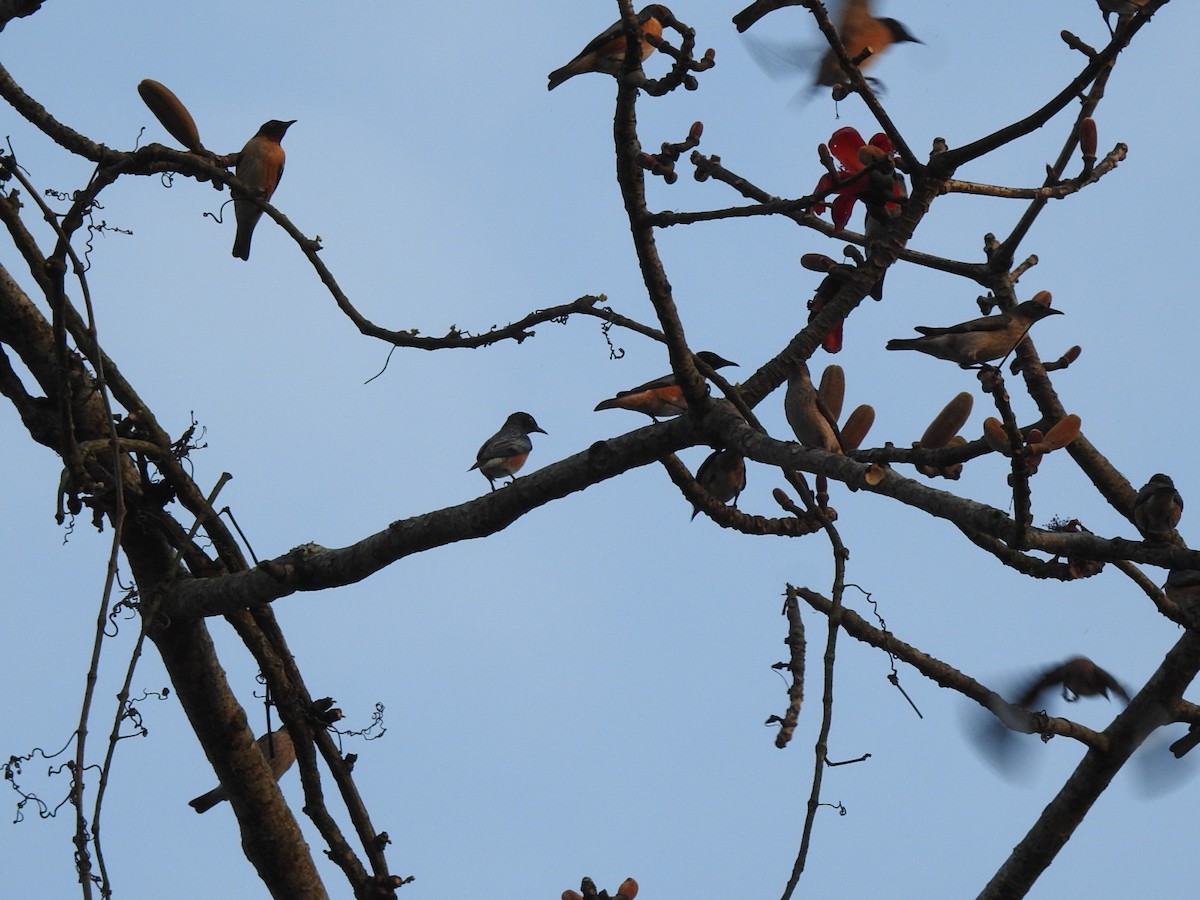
<point>605,53</point>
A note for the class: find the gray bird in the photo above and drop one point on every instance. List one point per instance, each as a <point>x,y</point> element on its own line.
<point>506,451</point>
<point>810,420</point>
<point>723,475</point>
<point>1157,507</point>
<point>276,746</point>
<point>978,340</point>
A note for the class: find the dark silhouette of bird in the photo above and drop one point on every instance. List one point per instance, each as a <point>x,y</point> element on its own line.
<point>978,340</point>
<point>723,475</point>
<point>662,397</point>
<point>605,52</point>
<point>280,752</point>
<point>1157,507</point>
<point>260,166</point>
<point>812,423</point>
<point>1183,589</point>
<point>1120,7</point>
<point>1078,677</point>
<point>505,452</point>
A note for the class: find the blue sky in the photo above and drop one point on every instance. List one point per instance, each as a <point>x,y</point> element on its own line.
<point>583,694</point>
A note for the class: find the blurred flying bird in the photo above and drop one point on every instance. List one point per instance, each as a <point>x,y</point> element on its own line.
<point>1157,507</point>
<point>276,746</point>
<point>812,423</point>
<point>260,166</point>
<point>1078,677</point>
<point>606,51</point>
<point>662,397</point>
<point>858,29</point>
<point>723,475</point>
<point>978,340</point>
<point>506,451</point>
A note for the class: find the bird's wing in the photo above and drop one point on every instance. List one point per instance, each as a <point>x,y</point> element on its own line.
<point>1112,684</point>
<point>1048,679</point>
<point>664,381</point>
<point>984,323</point>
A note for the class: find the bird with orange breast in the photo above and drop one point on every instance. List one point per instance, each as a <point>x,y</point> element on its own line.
<point>260,166</point>
<point>605,53</point>
<point>858,29</point>
<point>505,452</point>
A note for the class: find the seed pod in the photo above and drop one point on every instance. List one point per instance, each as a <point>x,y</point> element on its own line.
<point>1042,297</point>
<point>1065,431</point>
<point>1088,138</point>
<point>993,433</point>
<point>856,427</point>
<point>171,112</point>
<point>833,390</point>
<point>948,422</point>
<point>628,889</point>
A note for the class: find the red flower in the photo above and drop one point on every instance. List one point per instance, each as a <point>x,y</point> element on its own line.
<point>879,186</point>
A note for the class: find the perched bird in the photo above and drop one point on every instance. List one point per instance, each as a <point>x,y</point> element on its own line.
<point>606,51</point>
<point>723,475</point>
<point>1157,507</point>
<point>859,30</point>
<point>758,9</point>
<point>979,340</point>
<point>806,413</point>
<point>260,166</point>
<point>661,397</point>
<point>276,746</point>
<point>506,451</point>
<point>1183,589</point>
<point>1120,7</point>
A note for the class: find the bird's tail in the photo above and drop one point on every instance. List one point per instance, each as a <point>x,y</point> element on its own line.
<point>207,801</point>
<point>904,344</point>
<point>750,15</point>
<point>558,76</point>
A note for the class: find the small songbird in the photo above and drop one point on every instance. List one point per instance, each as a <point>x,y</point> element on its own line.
<point>856,26</point>
<point>859,30</point>
<point>662,397</point>
<point>506,451</point>
<point>806,413</point>
<point>1157,507</point>
<point>1183,589</point>
<point>1120,7</point>
<point>276,746</point>
<point>260,166</point>
<point>723,475</point>
<point>605,52</point>
<point>978,340</point>
<point>1079,677</point>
